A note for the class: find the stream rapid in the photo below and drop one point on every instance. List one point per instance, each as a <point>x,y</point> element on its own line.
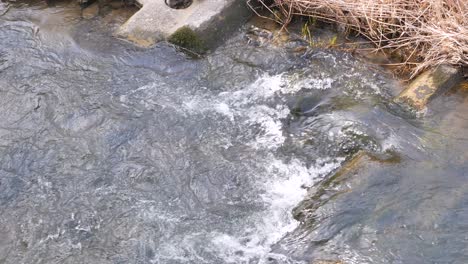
<point>110,153</point>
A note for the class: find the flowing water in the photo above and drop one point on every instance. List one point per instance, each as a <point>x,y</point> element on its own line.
<point>114,154</point>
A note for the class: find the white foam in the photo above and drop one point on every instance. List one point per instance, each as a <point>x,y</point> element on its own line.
<point>270,121</point>
<point>252,106</point>
<point>256,111</point>
<point>282,189</point>
<point>313,83</point>
<point>224,109</point>
<point>281,183</point>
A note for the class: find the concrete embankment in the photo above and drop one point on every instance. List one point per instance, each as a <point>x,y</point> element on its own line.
<point>208,21</point>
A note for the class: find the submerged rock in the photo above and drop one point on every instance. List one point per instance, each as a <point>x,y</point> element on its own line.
<point>91,11</point>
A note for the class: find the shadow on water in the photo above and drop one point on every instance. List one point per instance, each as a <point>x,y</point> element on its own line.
<point>114,154</point>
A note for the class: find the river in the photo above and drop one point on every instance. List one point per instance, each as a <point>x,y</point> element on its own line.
<point>110,153</point>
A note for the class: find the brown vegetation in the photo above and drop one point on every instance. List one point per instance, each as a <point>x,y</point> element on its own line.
<point>427,32</point>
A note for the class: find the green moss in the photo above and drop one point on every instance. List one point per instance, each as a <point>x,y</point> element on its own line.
<point>389,157</point>
<point>186,38</point>
<point>296,112</point>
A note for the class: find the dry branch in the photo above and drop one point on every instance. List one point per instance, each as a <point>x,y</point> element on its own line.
<point>431,32</point>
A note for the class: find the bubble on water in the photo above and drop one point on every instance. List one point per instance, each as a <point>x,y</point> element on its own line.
<point>282,189</point>
<point>255,108</point>
<point>280,184</point>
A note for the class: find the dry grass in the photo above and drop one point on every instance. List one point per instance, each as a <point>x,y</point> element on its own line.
<point>428,32</point>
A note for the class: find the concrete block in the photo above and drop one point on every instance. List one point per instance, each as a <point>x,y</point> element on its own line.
<point>209,19</point>
<point>428,85</point>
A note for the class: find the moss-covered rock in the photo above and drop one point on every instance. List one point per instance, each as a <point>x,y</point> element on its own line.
<point>428,85</point>
<point>188,39</point>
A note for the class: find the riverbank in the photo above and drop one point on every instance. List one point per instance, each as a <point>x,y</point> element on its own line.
<point>421,34</point>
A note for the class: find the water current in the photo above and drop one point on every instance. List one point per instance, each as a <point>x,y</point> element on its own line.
<point>110,153</point>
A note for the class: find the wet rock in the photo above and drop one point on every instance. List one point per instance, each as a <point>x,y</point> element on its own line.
<point>91,11</point>
<point>340,182</point>
<point>265,31</point>
<point>116,4</point>
<point>258,37</point>
<point>334,184</point>
<point>428,85</point>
